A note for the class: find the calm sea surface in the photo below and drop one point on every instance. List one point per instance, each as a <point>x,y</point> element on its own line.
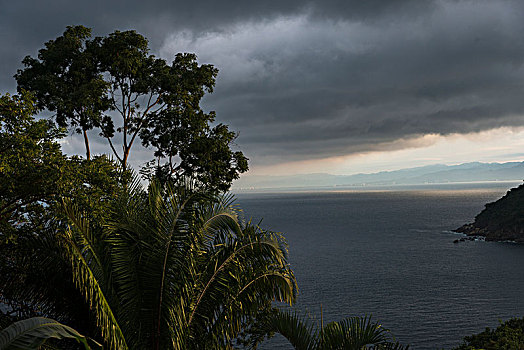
<point>391,254</point>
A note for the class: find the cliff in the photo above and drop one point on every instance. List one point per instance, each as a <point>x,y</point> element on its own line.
<point>502,220</point>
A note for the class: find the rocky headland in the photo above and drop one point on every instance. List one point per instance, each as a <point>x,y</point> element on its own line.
<point>502,220</point>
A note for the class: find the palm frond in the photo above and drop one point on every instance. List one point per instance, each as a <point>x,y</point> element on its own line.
<point>298,330</point>
<point>34,332</point>
<point>243,274</point>
<point>124,236</point>
<point>231,257</point>
<point>353,333</point>
<point>87,282</point>
<point>391,346</point>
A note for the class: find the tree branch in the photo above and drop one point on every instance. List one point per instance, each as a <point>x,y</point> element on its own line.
<point>114,150</point>
<point>143,118</point>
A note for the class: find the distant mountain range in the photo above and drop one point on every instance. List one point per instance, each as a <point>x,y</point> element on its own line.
<point>431,174</point>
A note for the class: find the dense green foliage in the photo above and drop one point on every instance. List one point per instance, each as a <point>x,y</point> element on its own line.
<point>82,244</point>
<point>35,174</point>
<point>505,213</point>
<point>65,79</point>
<point>170,268</point>
<point>114,85</point>
<point>30,164</point>
<point>508,336</point>
<point>34,179</point>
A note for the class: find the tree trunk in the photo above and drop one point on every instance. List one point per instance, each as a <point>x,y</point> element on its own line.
<point>86,142</point>
<point>125,156</point>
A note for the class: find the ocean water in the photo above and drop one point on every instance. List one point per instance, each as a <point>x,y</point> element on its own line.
<point>390,253</point>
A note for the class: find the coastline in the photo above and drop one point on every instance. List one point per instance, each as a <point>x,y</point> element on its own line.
<point>501,235</point>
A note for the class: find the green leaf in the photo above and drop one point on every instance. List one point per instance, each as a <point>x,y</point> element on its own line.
<point>33,332</point>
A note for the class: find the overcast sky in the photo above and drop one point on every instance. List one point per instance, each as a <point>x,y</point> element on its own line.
<point>325,86</point>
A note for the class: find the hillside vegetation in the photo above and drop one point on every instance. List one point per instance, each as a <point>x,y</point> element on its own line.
<point>500,220</point>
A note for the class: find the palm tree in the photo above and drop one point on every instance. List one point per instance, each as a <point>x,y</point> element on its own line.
<point>353,333</point>
<point>173,268</point>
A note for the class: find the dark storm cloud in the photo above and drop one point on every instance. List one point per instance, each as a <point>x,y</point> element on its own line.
<point>305,80</point>
<point>308,87</point>
<point>26,25</point>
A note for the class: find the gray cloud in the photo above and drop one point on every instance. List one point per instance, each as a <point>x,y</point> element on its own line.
<point>26,25</point>
<point>305,80</point>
